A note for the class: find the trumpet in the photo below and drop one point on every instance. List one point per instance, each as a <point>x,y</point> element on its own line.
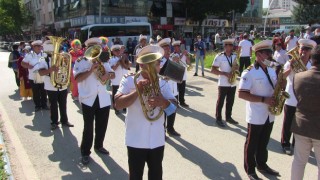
<point>174,57</point>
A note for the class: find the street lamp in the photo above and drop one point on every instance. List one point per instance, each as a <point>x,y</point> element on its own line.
<point>265,21</point>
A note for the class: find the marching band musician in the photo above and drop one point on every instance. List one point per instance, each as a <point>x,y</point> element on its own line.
<point>305,47</point>
<point>31,61</point>
<point>222,66</point>
<point>104,43</point>
<point>170,119</point>
<point>76,52</point>
<point>95,101</point>
<point>56,96</point>
<point>144,139</point>
<point>142,43</point>
<point>184,58</point>
<point>120,66</point>
<point>256,87</point>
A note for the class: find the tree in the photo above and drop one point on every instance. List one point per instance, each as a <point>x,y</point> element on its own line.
<point>306,14</point>
<point>310,2</point>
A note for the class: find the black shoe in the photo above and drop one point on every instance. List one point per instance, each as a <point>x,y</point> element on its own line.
<point>202,74</point>
<point>287,150</point>
<point>45,108</point>
<point>173,133</point>
<point>85,160</point>
<point>268,170</point>
<point>231,121</point>
<point>195,74</point>
<point>67,124</point>
<point>220,123</point>
<point>54,126</point>
<point>125,110</point>
<point>102,150</point>
<point>37,109</point>
<point>253,177</point>
<point>184,105</point>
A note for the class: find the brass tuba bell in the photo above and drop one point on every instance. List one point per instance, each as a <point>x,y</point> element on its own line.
<point>297,64</point>
<point>63,61</point>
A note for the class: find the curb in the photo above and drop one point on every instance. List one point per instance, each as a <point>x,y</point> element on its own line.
<point>5,158</point>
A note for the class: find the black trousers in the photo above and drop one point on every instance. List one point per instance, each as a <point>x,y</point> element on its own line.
<point>255,148</point>
<point>58,98</point>
<point>289,116</point>
<point>138,157</point>
<point>223,93</point>
<point>244,62</point>
<point>17,78</point>
<point>114,91</point>
<point>101,117</point>
<point>182,91</point>
<point>39,94</point>
<point>137,67</point>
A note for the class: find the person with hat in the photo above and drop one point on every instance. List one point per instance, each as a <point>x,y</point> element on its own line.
<point>308,34</point>
<point>57,96</point>
<point>291,41</point>
<point>280,55</point>
<point>137,49</point>
<point>104,43</point>
<point>256,87</point>
<point>306,125</point>
<point>185,61</point>
<point>305,47</point>
<point>31,62</point>
<point>316,36</point>
<point>95,102</point>
<point>200,51</point>
<point>145,140</point>
<point>245,51</point>
<point>119,67</point>
<point>76,53</point>
<point>170,119</point>
<point>222,66</point>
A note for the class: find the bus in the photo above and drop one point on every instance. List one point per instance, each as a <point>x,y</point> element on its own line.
<point>113,31</point>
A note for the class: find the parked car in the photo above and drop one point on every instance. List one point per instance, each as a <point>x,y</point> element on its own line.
<point>6,45</point>
<point>280,31</point>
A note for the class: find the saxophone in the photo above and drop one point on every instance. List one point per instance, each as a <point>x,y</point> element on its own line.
<point>279,95</point>
<point>297,64</point>
<point>234,71</point>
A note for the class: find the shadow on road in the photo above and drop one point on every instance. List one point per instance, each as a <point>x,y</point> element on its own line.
<point>41,122</point>
<point>211,168</point>
<point>27,107</point>
<point>197,115</point>
<point>16,96</point>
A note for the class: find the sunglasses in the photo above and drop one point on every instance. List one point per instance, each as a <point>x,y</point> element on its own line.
<point>305,49</point>
<point>228,45</point>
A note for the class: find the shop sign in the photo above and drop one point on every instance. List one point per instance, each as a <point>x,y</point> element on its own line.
<point>179,21</point>
<point>130,19</point>
<point>215,22</point>
<point>286,20</point>
<point>79,21</point>
<point>110,19</point>
<point>163,27</point>
<point>250,20</point>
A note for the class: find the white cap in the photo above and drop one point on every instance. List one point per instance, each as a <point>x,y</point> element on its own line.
<point>228,41</point>
<point>93,41</point>
<point>36,42</point>
<point>265,44</point>
<point>159,38</point>
<point>307,43</point>
<point>151,41</point>
<point>164,42</point>
<point>151,51</point>
<point>175,43</point>
<point>48,46</point>
<point>116,47</point>
<point>141,37</point>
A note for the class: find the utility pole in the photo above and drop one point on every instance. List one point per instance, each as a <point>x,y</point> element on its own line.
<point>265,21</point>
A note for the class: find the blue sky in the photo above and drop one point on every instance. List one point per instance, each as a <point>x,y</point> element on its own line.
<point>265,3</point>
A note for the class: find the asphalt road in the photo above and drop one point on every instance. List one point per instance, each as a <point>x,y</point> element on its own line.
<point>204,151</point>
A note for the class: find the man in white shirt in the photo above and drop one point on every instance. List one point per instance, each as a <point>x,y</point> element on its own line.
<point>305,47</point>
<point>280,56</point>
<point>308,34</point>
<point>256,87</point>
<point>119,68</point>
<point>56,95</point>
<point>142,43</point>
<point>217,40</point>
<point>291,41</point>
<point>245,50</point>
<point>95,101</point>
<point>222,66</point>
<point>31,61</point>
<point>145,139</point>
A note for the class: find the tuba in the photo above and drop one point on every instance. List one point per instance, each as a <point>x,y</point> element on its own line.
<point>92,54</point>
<point>63,61</point>
<point>279,95</point>
<point>297,64</point>
<point>234,71</point>
<point>153,88</point>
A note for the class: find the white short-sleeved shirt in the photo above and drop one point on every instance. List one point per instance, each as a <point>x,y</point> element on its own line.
<point>184,60</point>
<point>33,59</point>
<point>119,72</point>
<point>163,61</point>
<point>217,39</point>
<point>46,79</point>
<point>292,101</point>
<point>91,87</point>
<point>221,61</point>
<point>292,43</point>
<point>256,82</point>
<point>245,48</point>
<point>281,56</point>
<point>141,133</point>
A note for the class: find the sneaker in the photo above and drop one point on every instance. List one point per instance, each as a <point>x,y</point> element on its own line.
<point>231,121</point>
<point>195,74</point>
<point>85,160</point>
<point>54,126</point>
<point>220,123</point>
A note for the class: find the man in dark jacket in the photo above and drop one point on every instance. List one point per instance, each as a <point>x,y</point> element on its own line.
<point>13,62</point>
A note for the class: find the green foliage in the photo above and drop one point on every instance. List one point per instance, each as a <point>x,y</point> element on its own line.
<point>3,173</point>
<point>310,2</point>
<point>306,14</point>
